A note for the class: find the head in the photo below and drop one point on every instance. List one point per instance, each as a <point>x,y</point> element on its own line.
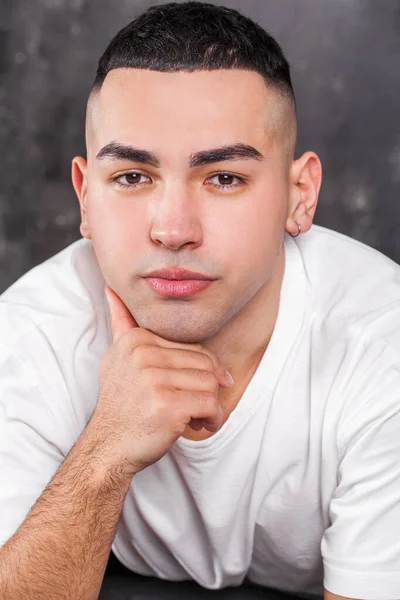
<point>190,139</point>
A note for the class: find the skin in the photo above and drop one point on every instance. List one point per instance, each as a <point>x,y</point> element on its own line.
<point>174,216</point>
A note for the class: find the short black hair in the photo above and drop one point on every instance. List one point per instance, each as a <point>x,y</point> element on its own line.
<point>193,36</point>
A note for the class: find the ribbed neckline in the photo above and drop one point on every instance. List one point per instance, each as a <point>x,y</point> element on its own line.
<point>290,316</point>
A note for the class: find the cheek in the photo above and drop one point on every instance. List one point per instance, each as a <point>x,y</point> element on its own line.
<point>251,238</point>
<point>117,237</point>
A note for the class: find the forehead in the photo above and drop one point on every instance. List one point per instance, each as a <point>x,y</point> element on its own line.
<point>199,109</point>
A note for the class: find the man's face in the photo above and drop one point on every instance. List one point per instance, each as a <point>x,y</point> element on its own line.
<point>177,215</point>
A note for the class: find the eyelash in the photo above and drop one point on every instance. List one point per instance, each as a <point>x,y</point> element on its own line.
<point>223,186</point>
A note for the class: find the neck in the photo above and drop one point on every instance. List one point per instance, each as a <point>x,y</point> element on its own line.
<point>241,344</point>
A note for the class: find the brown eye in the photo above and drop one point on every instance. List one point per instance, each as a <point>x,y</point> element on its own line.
<point>226,181</point>
<point>131,179</point>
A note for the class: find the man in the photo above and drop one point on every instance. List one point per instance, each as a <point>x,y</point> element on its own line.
<point>120,426</point>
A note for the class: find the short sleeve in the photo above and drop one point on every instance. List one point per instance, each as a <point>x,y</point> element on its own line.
<point>361,547</point>
<point>36,433</point>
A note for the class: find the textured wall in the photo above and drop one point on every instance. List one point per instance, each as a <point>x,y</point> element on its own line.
<point>345,59</point>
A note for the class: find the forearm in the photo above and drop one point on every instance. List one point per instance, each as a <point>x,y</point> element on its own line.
<point>60,551</point>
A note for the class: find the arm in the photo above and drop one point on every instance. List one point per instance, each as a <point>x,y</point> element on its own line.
<point>60,551</point>
<point>361,546</point>
<point>329,596</point>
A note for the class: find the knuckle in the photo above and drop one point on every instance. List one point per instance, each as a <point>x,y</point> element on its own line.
<point>211,380</point>
<point>181,415</point>
<point>207,361</point>
<point>164,400</point>
<point>125,342</point>
<point>142,354</point>
<point>150,377</point>
<point>207,397</point>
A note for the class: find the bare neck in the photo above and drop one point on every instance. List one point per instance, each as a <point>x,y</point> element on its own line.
<point>241,345</point>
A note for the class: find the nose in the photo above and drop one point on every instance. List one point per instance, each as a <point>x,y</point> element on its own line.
<point>176,223</point>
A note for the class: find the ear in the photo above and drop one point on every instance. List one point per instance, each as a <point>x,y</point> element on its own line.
<point>78,175</point>
<point>305,182</point>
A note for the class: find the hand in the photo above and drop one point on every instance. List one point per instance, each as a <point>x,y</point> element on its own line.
<point>151,389</point>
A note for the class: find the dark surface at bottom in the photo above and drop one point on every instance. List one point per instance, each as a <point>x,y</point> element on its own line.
<point>121,583</point>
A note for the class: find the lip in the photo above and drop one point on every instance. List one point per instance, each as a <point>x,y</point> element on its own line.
<point>177,273</point>
<point>181,288</point>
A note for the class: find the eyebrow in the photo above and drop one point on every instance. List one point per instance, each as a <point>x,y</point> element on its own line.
<point>117,151</point>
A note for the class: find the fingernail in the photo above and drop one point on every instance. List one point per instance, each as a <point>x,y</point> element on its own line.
<point>229,378</point>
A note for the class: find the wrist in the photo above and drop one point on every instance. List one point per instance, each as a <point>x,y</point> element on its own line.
<point>103,467</point>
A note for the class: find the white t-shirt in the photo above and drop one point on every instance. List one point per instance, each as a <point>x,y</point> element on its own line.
<point>301,485</point>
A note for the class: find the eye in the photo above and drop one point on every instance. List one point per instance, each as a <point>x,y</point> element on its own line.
<point>225,180</point>
<point>133,179</point>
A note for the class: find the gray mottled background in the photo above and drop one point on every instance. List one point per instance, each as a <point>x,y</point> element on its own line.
<point>345,59</point>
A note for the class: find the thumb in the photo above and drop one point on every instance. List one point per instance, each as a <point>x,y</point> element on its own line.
<point>121,319</point>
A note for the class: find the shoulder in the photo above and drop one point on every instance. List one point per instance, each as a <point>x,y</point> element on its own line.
<point>354,289</point>
<point>54,331</point>
<point>354,301</point>
<point>66,289</point>
<point>342,268</point>
<point>53,321</point>
<point>66,283</point>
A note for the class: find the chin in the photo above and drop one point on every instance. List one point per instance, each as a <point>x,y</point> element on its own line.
<point>178,329</point>
<point>179,335</point>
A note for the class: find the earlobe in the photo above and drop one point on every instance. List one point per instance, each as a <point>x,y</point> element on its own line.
<point>305,177</point>
<point>84,227</point>
<point>79,181</point>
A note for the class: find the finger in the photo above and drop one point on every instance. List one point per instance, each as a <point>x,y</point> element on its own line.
<point>196,424</point>
<point>121,318</point>
<point>212,424</point>
<point>178,358</point>
<point>190,380</point>
<point>201,413</point>
<point>225,378</point>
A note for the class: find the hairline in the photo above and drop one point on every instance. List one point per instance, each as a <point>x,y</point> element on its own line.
<point>282,92</point>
